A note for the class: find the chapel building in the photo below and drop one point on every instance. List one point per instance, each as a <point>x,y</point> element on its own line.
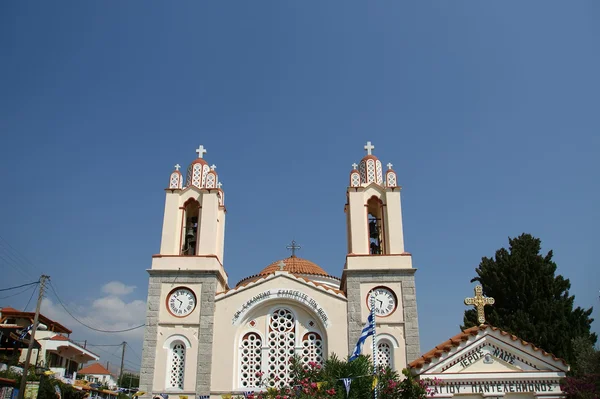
<point>206,336</point>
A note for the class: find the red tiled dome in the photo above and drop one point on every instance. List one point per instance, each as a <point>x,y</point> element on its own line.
<point>293,265</point>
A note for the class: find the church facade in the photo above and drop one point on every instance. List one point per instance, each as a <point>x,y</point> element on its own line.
<point>291,307</point>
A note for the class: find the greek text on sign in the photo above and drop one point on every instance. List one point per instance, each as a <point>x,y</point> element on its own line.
<point>283,293</point>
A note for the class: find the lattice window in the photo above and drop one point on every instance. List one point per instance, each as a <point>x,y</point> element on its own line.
<point>176,365</point>
<point>197,175</point>
<point>312,348</point>
<point>370,171</point>
<point>210,181</point>
<point>282,335</point>
<point>391,179</point>
<point>205,171</point>
<point>384,354</point>
<point>355,180</point>
<point>362,168</point>
<point>379,172</point>
<point>175,180</point>
<point>188,179</point>
<point>250,360</point>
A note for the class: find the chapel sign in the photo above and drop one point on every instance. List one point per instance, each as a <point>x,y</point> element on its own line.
<point>282,293</point>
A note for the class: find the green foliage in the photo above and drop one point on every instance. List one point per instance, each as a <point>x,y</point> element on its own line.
<point>129,380</point>
<point>583,381</point>
<point>532,302</point>
<point>316,382</point>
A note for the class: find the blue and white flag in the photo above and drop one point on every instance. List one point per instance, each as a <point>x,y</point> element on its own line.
<point>347,382</point>
<point>25,331</point>
<point>367,331</point>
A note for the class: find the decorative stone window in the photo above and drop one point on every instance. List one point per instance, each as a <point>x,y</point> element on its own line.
<point>281,339</point>
<point>250,360</point>
<point>176,365</point>
<point>312,348</point>
<point>385,353</point>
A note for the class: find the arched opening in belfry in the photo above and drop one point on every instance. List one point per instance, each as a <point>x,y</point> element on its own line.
<point>376,226</point>
<point>190,227</point>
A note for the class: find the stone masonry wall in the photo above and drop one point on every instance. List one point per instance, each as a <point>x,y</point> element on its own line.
<point>354,278</point>
<point>205,333</point>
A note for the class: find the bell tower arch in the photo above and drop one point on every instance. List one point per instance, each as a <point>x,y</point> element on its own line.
<point>187,270</point>
<point>377,259</point>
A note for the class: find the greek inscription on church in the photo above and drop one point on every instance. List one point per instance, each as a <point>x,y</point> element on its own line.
<point>484,350</point>
<point>294,295</point>
<point>483,388</point>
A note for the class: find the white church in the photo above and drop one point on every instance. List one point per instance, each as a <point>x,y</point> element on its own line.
<point>292,306</point>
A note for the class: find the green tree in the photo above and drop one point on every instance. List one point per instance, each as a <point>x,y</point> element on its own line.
<point>532,302</point>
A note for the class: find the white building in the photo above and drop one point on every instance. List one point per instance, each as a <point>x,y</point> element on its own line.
<point>97,373</point>
<point>291,306</point>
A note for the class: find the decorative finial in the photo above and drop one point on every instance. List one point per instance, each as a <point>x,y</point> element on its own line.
<point>281,265</point>
<point>479,301</point>
<point>354,166</point>
<point>369,147</point>
<point>293,247</point>
<point>213,167</point>
<point>219,184</point>
<point>201,151</point>
<point>389,165</point>
<point>177,167</point>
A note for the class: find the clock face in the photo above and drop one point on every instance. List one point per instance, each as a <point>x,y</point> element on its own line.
<point>385,301</point>
<point>181,302</point>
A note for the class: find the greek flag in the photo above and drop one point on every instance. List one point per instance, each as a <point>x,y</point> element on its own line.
<point>368,330</point>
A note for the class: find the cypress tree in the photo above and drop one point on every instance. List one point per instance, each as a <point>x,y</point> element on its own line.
<point>532,302</point>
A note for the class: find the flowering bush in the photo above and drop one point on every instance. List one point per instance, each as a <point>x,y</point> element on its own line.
<point>325,382</point>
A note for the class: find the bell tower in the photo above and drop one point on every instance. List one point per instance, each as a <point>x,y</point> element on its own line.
<point>184,277</point>
<point>378,262</point>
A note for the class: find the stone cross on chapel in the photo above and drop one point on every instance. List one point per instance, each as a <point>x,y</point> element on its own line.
<point>201,151</point>
<point>479,301</point>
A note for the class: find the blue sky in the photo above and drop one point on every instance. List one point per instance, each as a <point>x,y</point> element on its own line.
<point>488,111</point>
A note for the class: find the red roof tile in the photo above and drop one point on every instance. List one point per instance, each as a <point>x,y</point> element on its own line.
<point>447,346</point>
<point>95,368</point>
<point>293,265</point>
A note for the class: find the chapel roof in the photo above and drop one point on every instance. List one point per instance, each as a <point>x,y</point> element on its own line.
<point>455,341</point>
<point>95,368</point>
<point>293,265</point>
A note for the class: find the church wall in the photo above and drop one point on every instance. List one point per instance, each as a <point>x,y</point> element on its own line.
<point>197,328</point>
<point>357,311</point>
<point>228,333</point>
<point>171,225</point>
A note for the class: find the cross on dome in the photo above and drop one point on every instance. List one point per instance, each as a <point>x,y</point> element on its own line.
<point>177,167</point>
<point>354,166</point>
<point>293,247</point>
<point>479,301</point>
<point>201,151</point>
<point>213,167</point>
<point>369,147</point>
<point>389,165</point>
<point>281,265</point>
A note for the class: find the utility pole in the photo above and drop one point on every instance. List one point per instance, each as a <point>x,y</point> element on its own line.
<point>43,279</point>
<point>122,364</point>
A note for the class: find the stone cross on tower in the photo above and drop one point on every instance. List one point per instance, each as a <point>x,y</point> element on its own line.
<point>389,165</point>
<point>219,184</point>
<point>213,167</point>
<point>479,301</point>
<point>201,151</point>
<point>281,265</point>
<point>369,147</point>
<point>354,166</point>
<point>177,167</point>
<point>293,247</point>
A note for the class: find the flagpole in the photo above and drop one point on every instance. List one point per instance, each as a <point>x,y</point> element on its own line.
<point>374,343</point>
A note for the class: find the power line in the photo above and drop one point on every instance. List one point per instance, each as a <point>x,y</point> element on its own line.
<point>30,298</point>
<point>134,352</point>
<point>131,364</point>
<point>18,286</point>
<point>85,325</point>
<point>9,248</point>
<point>20,292</point>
